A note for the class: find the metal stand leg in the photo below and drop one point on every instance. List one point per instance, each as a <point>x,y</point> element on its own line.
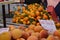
<point>4,17</point>
<point>8,8</point>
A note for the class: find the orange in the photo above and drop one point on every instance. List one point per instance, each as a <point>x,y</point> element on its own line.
<point>18,7</point>
<point>24,22</point>
<point>26,19</point>
<point>32,15</point>
<point>37,13</point>
<point>17,13</point>
<point>34,22</point>
<point>28,12</point>
<point>40,8</point>
<point>29,16</point>
<point>21,20</point>
<point>45,16</point>
<point>23,11</point>
<point>31,10</point>
<point>23,8</point>
<point>17,20</point>
<point>28,22</point>
<point>13,20</point>
<point>38,17</point>
<point>22,16</point>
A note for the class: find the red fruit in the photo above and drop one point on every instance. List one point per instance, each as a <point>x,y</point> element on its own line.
<point>56,33</point>
<point>56,38</point>
<point>43,34</point>
<point>25,35</point>
<point>50,37</point>
<point>32,38</point>
<point>30,32</point>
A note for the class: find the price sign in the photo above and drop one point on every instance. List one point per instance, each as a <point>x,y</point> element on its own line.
<point>48,25</point>
<point>4,30</point>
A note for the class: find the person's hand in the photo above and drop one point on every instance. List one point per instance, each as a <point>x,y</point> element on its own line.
<point>50,9</point>
<point>52,12</point>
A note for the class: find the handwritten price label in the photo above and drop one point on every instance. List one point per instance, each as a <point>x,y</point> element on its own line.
<point>48,25</point>
<point>4,30</point>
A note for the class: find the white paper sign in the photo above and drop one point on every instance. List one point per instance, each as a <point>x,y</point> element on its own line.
<point>4,30</point>
<point>48,25</point>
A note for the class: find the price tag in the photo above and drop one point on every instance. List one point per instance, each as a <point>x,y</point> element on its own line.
<point>4,30</point>
<point>48,25</point>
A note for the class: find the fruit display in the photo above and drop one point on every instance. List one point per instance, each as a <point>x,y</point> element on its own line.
<point>30,14</point>
<point>30,33</point>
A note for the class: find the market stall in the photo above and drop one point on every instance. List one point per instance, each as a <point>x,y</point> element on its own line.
<point>28,22</point>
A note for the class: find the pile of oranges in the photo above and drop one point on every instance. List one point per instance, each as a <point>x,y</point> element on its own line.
<point>30,14</point>
<point>32,32</point>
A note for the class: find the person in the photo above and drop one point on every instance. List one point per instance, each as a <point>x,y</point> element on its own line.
<point>53,6</point>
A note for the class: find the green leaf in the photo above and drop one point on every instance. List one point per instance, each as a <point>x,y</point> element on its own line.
<point>26,15</point>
